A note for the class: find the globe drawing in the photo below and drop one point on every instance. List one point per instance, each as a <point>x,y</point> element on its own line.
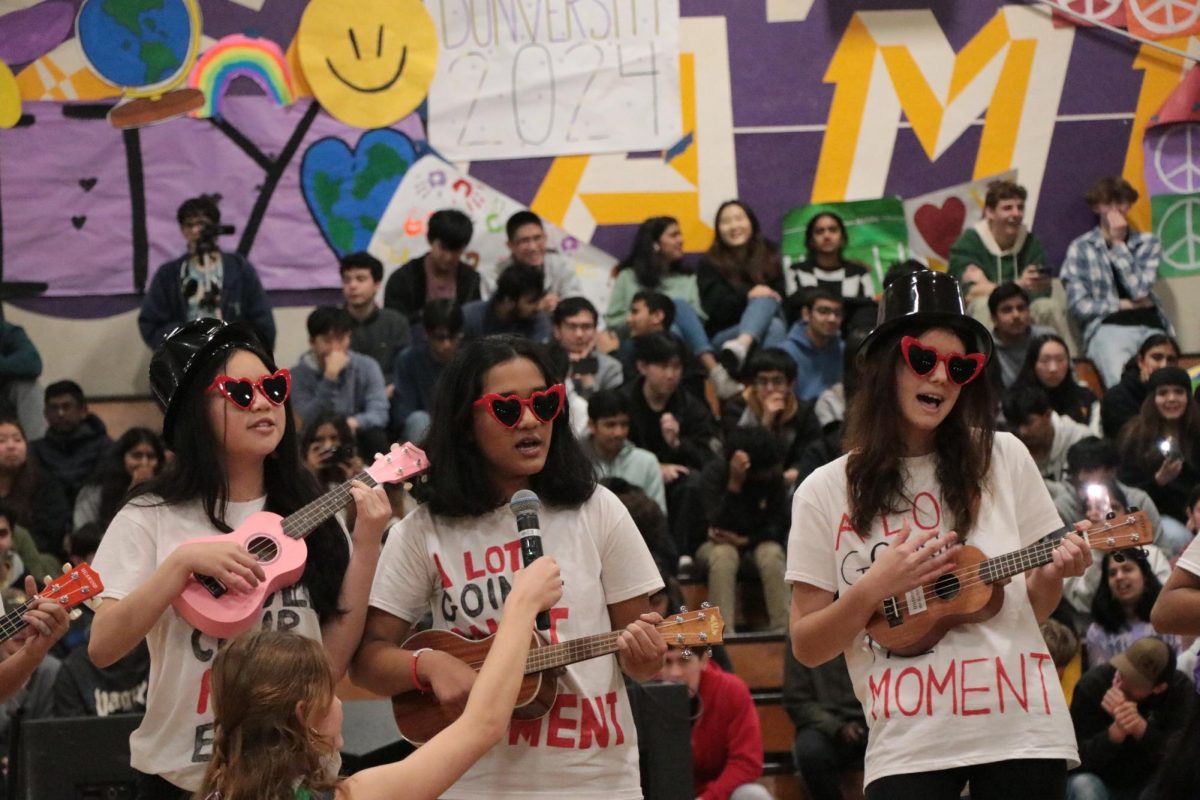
<point>136,43</point>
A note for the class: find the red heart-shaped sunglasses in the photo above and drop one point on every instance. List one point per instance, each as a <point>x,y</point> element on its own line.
<point>507,409</point>
<point>923,359</point>
<point>240,391</point>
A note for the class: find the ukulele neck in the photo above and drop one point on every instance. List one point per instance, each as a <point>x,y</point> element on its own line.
<point>305,520</point>
<point>1035,555</point>
<point>559,655</point>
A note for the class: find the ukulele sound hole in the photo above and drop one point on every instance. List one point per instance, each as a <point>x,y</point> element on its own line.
<point>946,587</point>
<point>263,548</point>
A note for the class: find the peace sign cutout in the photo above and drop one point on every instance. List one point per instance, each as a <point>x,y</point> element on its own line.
<point>1093,10</point>
<point>1179,230</point>
<point>1165,17</point>
<point>1180,175</point>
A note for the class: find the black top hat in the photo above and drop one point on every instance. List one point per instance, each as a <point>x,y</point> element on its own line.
<point>184,352</point>
<point>926,299</point>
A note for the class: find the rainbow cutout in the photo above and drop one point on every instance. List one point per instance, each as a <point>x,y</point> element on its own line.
<point>234,56</point>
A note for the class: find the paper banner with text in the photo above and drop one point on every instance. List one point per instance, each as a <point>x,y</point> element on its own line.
<point>937,219</point>
<point>431,184</point>
<point>1177,224</point>
<point>557,78</point>
<point>875,228</point>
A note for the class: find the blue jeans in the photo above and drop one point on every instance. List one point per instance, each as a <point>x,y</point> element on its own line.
<point>761,320</point>
<point>416,427</point>
<point>1175,536</point>
<point>1111,346</point>
<point>1087,786</point>
<point>688,327</point>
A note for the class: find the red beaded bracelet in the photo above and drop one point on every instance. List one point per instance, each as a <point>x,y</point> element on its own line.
<point>423,687</point>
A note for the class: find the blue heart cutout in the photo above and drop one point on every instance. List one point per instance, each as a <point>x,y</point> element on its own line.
<point>347,191</point>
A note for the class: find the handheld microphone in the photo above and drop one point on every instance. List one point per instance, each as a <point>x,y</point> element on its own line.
<point>525,505</point>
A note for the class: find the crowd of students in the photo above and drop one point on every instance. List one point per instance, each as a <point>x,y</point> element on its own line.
<point>703,394</point>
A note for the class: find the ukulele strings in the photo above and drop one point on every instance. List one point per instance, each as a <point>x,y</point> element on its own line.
<point>477,665</point>
<point>318,512</point>
<point>930,591</point>
<point>1039,549</point>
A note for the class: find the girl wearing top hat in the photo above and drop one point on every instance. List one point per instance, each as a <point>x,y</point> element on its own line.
<point>228,419</point>
<point>925,472</point>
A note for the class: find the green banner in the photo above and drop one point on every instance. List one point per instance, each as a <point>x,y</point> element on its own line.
<point>1176,222</point>
<point>877,230</point>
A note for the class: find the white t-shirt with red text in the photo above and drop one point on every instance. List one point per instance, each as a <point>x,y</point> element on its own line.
<point>175,737</point>
<point>460,569</point>
<point>987,691</point>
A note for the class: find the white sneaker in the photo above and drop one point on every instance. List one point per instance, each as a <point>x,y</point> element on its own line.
<point>725,386</point>
<point>739,350</point>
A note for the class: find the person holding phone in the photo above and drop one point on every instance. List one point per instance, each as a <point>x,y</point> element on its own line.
<point>1160,450</point>
<point>1109,274</point>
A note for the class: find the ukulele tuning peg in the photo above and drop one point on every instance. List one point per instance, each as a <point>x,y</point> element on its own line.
<point>706,604</point>
<point>1111,515</point>
<point>683,609</point>
<point>687,653</point>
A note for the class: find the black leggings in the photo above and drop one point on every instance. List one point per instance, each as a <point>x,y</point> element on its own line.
<point>152,787</point>
<point>1030,778</point>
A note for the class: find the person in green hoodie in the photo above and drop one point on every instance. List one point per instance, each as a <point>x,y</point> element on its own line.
<point>1000,248</point>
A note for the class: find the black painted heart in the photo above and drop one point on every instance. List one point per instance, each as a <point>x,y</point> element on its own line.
<point>78,221</point>
<point>87,183</point>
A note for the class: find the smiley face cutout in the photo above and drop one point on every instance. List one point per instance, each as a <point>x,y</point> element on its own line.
<point>369,62</point>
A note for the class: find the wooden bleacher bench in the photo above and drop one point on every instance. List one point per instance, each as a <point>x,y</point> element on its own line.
<point>119,414</point>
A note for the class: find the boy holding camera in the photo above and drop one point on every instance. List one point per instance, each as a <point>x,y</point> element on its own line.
<point>205,281</point>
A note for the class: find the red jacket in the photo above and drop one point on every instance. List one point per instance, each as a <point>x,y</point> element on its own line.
<point>727,748</point>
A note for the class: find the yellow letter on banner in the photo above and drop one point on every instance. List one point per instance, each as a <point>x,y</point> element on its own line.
<point>890,63</point>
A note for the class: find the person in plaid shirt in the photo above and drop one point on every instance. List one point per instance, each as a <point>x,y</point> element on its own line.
<point>1108,275</point>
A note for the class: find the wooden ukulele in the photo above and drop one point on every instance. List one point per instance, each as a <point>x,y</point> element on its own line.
<point>420,717</point>
<point>973,590</point>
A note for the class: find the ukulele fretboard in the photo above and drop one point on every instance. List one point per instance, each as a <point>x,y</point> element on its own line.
<point>303,521</point>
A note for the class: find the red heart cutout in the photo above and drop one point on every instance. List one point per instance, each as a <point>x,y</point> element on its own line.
<point>941,226</point>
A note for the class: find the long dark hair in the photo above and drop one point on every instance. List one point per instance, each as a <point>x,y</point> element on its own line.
<point>111,476</point>
<point>27,482</point>
<point>1068,397</point>
<point>1107,611</point>
<point>810,237</point>
<point>1141,435</point>
<point>962,443</point>
<point>644,257</point>
<point>198,474</point>
<point>755,262</point>
<point>1149,343</point>
<point>460,483</point>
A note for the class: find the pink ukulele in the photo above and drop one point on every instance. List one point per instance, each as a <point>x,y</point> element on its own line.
<point>278,543</point>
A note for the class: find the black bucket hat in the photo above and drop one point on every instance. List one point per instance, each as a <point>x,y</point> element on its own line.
<point>926,299</point>
<point>183,354</point>
<point>1169,376</point>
